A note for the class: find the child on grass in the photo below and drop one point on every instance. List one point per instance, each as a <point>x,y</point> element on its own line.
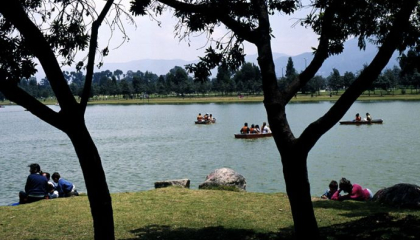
<point>333,187</point>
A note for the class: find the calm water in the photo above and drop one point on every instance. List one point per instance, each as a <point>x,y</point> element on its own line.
<point>141,144</point>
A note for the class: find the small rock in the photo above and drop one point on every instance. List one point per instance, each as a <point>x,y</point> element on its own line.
<point>185,183</point>
<point>224,177</point>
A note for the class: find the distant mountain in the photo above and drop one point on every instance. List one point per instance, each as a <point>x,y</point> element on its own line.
<point>252,58</point>
<point>162,67</point>
<point>352,60</point>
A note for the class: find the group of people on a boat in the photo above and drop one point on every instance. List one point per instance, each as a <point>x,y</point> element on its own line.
<point>206,118</point>
<point>359,118</point>
<point>353,191</point>
<point>255,129</point>
<point>40,185</point>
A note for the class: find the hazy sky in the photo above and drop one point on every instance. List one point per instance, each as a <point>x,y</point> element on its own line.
<point>149,41</point>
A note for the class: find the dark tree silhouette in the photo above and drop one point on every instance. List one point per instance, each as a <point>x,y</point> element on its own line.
<point>290,71</point>
<point>22,40</point>
<point>387,22</point>
<point>335,81</point>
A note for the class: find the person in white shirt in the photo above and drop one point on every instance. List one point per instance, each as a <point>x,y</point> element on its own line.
<point>265,128</point>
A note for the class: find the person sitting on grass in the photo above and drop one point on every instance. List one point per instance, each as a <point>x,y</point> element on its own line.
<point>52,192</point>
<point>64,187</point>
<point>36,186</point>
<point>354,192</point>
<point>333,187</point>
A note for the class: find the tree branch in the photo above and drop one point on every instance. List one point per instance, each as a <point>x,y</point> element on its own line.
<point>14,12</point>
<point>12,92</point>
<point>217,13</point>
<point>265,54</point>
<point>320,56</point>
<point>92,52</point>
<point>316,129</point>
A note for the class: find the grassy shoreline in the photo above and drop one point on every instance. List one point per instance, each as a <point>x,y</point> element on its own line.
<point>175,213</point>
<point>236,99</point>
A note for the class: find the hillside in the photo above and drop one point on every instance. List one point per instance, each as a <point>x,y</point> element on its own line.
<point>352,60</point>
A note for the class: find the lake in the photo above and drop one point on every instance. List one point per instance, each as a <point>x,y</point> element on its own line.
<point>142,144</point>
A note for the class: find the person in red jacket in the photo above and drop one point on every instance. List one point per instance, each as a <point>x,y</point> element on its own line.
<point>358,118</point>
<point>354,192</point>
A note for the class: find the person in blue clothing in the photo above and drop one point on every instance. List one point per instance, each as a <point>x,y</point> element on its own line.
<point>36,187</point>
<point>65,188</point>
<point>333,187</point>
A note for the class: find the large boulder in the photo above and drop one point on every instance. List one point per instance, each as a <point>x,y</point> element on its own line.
<point>224,177</point>
<point>185,183</point>
<point>401,195</point>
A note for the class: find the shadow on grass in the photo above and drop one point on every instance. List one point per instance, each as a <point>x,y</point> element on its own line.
<point>377,226</point>
<point>209,233</point>
<point>354,208</point>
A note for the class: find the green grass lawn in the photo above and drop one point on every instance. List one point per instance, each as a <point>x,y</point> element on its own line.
<point>175,213</point>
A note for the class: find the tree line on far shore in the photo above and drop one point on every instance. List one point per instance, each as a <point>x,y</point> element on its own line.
<point>246,80</point>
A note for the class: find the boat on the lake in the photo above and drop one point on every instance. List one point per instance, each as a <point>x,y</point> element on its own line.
<point>373,121</point>
<point>253,135</point>
<point>206,121</point>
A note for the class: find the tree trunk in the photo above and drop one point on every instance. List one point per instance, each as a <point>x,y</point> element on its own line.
<point>97,188</point>
<point>294,162</point>
<point>299,193</point>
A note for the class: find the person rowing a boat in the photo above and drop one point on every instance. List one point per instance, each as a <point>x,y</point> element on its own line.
<point>368,117</point>
<point>257,128</point>
<point>358,118</point>
<point>199,117</point>
<point>265,128</point>
<point>245,129</point>
<point>252,129</point>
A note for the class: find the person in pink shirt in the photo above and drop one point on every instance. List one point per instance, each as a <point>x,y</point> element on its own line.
<point>354,192</point>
